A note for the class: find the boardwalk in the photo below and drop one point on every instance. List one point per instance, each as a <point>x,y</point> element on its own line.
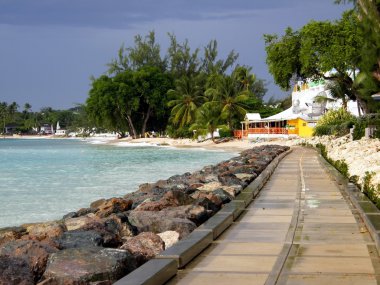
<point>299,230</point>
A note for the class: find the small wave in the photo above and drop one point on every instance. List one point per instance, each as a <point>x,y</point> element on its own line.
<point>139,144</point>
<point>97,141</point>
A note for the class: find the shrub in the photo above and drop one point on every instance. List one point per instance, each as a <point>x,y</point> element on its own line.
<point>179,132</point>
<point>335,122</point>
<point>365,121</point>
<point>225,132</point>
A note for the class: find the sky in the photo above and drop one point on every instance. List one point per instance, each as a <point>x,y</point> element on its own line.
<point>49,49</point>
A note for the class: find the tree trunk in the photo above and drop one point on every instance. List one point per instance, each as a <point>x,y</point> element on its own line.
<point>344,104</point>
<point>143,129</point>
<point>362,104</point>
<point>359,111</point>
<point>131,127</point>
<point>212,136</point>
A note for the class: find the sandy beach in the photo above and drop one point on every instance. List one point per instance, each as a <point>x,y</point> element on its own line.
<point>234,145</point>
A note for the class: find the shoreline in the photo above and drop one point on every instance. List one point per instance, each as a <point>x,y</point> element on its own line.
<point>235,145</point>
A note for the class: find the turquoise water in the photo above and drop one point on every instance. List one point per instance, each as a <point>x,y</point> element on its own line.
<point>44,179</point>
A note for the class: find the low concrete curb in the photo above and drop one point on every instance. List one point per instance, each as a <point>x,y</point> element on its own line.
<point>369,213</point>
<point>218,223</point>
<point>160,269</point>
<point>185,250</point>
<point>155,271</point>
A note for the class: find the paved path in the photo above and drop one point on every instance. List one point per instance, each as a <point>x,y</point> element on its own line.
<point>299,230</point>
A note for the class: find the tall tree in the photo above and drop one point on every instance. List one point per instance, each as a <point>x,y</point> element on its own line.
<point>145,52</point>
<point>229,97</point>
<point>188,97</point>
<point>207,120</point>
<point>3,114</point>
<point>243,75</point>
<point>12,109</point>
<point>211,64</point>
<point>151,85</point>
<point>181,60</point>
<point>368,81</point>
<point>319,50</point>
<point>112,101</point>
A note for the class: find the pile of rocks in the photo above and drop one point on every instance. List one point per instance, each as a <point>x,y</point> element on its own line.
<point>361,156</point>
<point>102,243</point>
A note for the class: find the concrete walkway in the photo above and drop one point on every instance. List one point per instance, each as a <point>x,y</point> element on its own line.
<point>299,230</point>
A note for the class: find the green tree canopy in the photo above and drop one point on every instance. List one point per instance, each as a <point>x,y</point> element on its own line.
<point>328,50</point>
<point>112,101</point>
<point>229,96</point>
<point>188,97</point>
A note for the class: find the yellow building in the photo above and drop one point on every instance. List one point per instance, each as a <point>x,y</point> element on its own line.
<point>275,127</point>
<point>300,127</point>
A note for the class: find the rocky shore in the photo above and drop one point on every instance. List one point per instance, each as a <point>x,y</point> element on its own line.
<point>361,156</point>
<point>104,242</point>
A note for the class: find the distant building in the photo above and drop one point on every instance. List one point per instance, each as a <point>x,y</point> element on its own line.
<point>11,129</point>
<point>46,129</point>
<point>59,131</point>
<point>297,121</point>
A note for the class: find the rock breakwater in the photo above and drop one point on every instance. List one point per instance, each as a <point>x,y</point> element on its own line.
<point>361,156</point>
<point>102,243</point>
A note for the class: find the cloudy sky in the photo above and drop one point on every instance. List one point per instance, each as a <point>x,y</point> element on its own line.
<point>50,48</point>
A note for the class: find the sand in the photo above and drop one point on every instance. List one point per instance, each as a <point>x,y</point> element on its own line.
<point>232,146</point>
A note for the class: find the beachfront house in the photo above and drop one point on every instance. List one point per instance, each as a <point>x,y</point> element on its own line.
<point>46,129</point>
<point>59,131</point>
<point>297,121</point>
<point>11,129</point>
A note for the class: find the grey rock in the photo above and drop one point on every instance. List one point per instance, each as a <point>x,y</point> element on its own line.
<point>85,265</point>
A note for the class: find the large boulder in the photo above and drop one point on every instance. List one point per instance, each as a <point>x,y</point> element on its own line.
<point>86,265</point>
<point>195,213</point>
<point>104,208</point>
<point>140,197</point>
<point>10,234</point>
<point>210,207</point>
<point>211,186</point>
<point>80,238</point>
<point>144,246</point>
<point>14,270</point>
<point>172,198</point>
<point>81,222</point>
<point>41,231</point>
<point>227,178</point>
<point>223,195</point>
<point>111,228</point>
<point>34,253</point>
<point>170,238</point>
<point>210,196</point>
<point>158,222</point>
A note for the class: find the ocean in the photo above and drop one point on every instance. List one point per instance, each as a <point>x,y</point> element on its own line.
<point>43,179</point>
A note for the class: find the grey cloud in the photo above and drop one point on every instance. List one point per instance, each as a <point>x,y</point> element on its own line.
<point>122,13</point>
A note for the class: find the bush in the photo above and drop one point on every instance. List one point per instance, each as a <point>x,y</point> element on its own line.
<point>178,132</point>
<point>225,132</point>
<point>365,121</point>
<point>335,122</point>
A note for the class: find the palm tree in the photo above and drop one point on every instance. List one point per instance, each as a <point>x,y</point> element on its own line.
<point>244,76</point>
<point>12,109</point>
<point>188,98</point>
<point>338,91</point>
<point>207,120</point>
<point>229,99</point>
<point>3,114</point>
